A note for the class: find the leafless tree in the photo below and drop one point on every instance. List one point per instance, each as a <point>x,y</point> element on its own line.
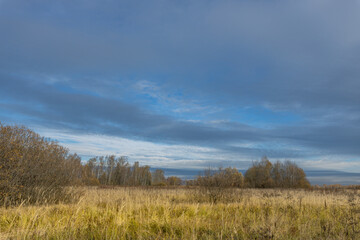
<point>33,168</point>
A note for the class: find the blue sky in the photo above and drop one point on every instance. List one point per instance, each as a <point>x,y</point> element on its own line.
<point>187,84</point>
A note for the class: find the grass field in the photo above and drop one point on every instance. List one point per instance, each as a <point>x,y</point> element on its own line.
<point>156,213</point>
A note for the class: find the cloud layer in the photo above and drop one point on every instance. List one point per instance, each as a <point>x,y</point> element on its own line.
<point>239,78</point>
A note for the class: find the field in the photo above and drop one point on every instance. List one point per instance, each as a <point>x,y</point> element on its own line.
<point>179,213</point>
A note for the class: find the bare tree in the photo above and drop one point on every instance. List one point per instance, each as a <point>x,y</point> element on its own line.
<point>264,174</point>
<point>173,181</point>
<point>158,177</point>
<point>259,175</point>
<point>33,168</point>
<point>218,184</point>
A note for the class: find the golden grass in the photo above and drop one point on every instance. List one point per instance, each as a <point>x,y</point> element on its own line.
<point>136,213</point>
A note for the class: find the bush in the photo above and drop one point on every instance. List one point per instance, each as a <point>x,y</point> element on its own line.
<point>34,169</point>
<point>264,174</point>
<point>158,178</point>
<point>174,181</point>
<point>217,185</point>
<point>259,175</point>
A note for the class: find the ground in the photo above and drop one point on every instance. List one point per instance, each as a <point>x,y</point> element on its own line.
<point>180,213</point>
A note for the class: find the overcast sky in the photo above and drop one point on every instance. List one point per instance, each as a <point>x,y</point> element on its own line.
<point>187,84</point>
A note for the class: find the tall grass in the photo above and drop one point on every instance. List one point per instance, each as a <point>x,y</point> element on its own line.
<point>156,213</point>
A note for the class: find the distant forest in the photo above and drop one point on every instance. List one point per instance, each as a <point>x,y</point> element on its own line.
<point>32,167</point>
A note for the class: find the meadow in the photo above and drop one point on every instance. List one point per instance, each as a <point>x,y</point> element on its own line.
<point>180,213</point>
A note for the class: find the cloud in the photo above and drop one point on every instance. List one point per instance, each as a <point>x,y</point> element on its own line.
<point>154,154</point>
<point>52,107</point>
<point>86,112</point>
<point>174,102</point>
<point>251,78</point>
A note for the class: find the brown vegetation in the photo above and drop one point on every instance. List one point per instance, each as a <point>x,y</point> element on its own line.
<point>264,174</point>
<point>111,170</point>
<point>173,213</point>
<point>34,169</point>
<point>216,185</point>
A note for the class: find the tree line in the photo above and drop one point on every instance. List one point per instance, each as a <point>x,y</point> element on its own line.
<point>112,170</point>
<point>36,169</point>
<point>262,174</point>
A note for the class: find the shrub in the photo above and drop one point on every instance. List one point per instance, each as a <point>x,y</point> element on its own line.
<point>34,169</point>
<point>264,174</point>
<point>259,175</point>
<point>217,185</point>
<point>174,181</point>
<point>158,178</point>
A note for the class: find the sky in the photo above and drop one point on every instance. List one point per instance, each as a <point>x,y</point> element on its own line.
<point>187,84</point>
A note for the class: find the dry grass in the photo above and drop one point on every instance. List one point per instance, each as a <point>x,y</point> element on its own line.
<point>135,213</point>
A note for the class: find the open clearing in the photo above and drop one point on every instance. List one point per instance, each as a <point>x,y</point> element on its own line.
<point>158,213</point>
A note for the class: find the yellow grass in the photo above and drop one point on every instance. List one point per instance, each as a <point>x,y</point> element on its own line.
<point>135,213</point>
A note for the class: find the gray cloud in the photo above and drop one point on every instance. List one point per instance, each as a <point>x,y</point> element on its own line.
<point>105,115</point>
<point>51,107</point>
<point>298,58</point>
<point>280,53</point>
